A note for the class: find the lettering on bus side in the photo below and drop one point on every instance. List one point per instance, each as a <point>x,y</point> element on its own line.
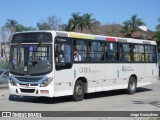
<point>127,68</point>
<point>85,70</point>
<point>88,70</point>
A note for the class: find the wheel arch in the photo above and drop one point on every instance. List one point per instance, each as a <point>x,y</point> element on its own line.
<point>132,84</point>
<point>133,75</point>
<point>84,80</point>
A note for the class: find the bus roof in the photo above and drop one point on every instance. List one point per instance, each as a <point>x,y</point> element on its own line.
<point>95,37</point>
<point>103,38</point>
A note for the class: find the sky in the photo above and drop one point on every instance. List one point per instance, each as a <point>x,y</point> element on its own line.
<point>29,12</point>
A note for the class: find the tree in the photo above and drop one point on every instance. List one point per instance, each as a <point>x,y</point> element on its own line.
<point>5,37</point>
<point>43,26</point>
<point>157,33</point>
<point>89,22</point>
<point>63,27</point>
<point>82,23</point>
<point>51,23</point>
<point>54,22</point>
<point>74,22</point>
<point>130,26</point>
<point>6,33</point>
<point>158,26</point>
<point>96,28</point>
<point>30,28</point>
<point>13,25</point>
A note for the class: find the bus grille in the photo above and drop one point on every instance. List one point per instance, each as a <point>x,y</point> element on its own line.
<point>27,90</point>
<point>29,84</point>
<point>24,79</point>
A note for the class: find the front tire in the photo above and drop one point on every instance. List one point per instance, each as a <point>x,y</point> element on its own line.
<point>132,85</point>
<point>78,91</point>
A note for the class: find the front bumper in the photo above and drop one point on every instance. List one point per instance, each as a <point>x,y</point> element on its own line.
<point>30,86</point>
<point>32,91</point>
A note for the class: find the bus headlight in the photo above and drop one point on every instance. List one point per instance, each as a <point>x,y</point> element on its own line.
<point>12,82</point>
<point>46,82</point>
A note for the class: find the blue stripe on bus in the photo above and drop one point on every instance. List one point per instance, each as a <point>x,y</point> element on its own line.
<point>74,74</point>
<point>118,74</point>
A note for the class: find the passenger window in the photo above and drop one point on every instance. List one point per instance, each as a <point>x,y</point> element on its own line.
<point>111,52</point>
<point>150,54</point>
<point>96,51</point>
<point>125,53</point>
<point>62,53</point>
<point>80,50</point>
<point>138,55</point>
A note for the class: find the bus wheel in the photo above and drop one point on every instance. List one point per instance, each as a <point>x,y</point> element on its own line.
<point>132,85</point>
<point>78,91</point>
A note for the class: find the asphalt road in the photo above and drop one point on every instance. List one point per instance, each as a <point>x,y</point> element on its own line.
<point>145,99</point>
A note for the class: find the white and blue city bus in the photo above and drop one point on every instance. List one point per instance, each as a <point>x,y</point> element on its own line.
<point>57,63</point>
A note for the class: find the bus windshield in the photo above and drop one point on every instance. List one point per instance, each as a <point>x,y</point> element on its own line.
<point>31,59</point>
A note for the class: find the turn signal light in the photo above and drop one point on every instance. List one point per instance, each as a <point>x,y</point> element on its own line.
<point>44,91</point>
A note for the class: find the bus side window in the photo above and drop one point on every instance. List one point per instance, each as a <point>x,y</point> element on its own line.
<point>63,55</point>
<point>125,52</point>
<point>112,52</point>
<point>139,55</point>
<point>79,51</point>
<point>143,57</point>
<point>77,54</point>
<point>150,54</point>
<point>106,52</point>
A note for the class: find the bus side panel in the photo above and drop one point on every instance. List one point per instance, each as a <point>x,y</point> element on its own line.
<point>152,72</point>
<point>94,73</point>
<point>117,75</point>
<point>114,78</point>
<point>114,74</point>
<point>64,82</point>
<point>140,71</point>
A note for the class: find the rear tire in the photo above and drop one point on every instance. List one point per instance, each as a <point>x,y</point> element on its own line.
<point>132,85</point>
<point>79,90</point>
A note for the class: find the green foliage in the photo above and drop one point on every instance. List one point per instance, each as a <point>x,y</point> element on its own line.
<point>11,26</point>
<point>158,26</point>
<point>14,26</point>
<point>51,23</point>
<point>156,36</point>
<point>74,22</point>
<point>130,26</point>
<point>28,28</point>
<point>82,23</point>
<point>43,26</point>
